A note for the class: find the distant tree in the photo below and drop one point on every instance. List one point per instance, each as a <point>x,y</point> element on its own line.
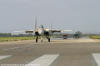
<point>5,34</point>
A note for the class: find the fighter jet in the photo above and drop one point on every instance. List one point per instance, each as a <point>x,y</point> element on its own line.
<point>43,32</point>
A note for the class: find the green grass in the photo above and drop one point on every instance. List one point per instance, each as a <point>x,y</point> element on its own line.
<point>5,39</point>
<point>95,37</point>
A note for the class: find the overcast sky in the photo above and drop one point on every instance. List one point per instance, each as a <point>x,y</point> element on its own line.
<point>83,15</point>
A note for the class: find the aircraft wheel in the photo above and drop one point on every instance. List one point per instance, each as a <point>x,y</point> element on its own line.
<point>36,39</point>
<point>48,39</point>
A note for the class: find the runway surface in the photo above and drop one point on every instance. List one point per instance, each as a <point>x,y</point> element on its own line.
<point>71,52</point>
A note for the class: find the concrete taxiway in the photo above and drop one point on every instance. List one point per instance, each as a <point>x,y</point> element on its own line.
<point>71,52</point>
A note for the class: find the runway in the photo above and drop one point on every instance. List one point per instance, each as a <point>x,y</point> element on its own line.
<point>69,52</point>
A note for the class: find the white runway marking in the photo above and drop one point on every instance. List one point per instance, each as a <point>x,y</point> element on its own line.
<point>4,57</point>
<point>96,58</point>
<point>45,60</point>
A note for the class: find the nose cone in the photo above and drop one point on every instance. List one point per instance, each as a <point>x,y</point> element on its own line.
<point>41,31</point>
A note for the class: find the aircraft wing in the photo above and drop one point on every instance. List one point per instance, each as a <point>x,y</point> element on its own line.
<point>60,31</point>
